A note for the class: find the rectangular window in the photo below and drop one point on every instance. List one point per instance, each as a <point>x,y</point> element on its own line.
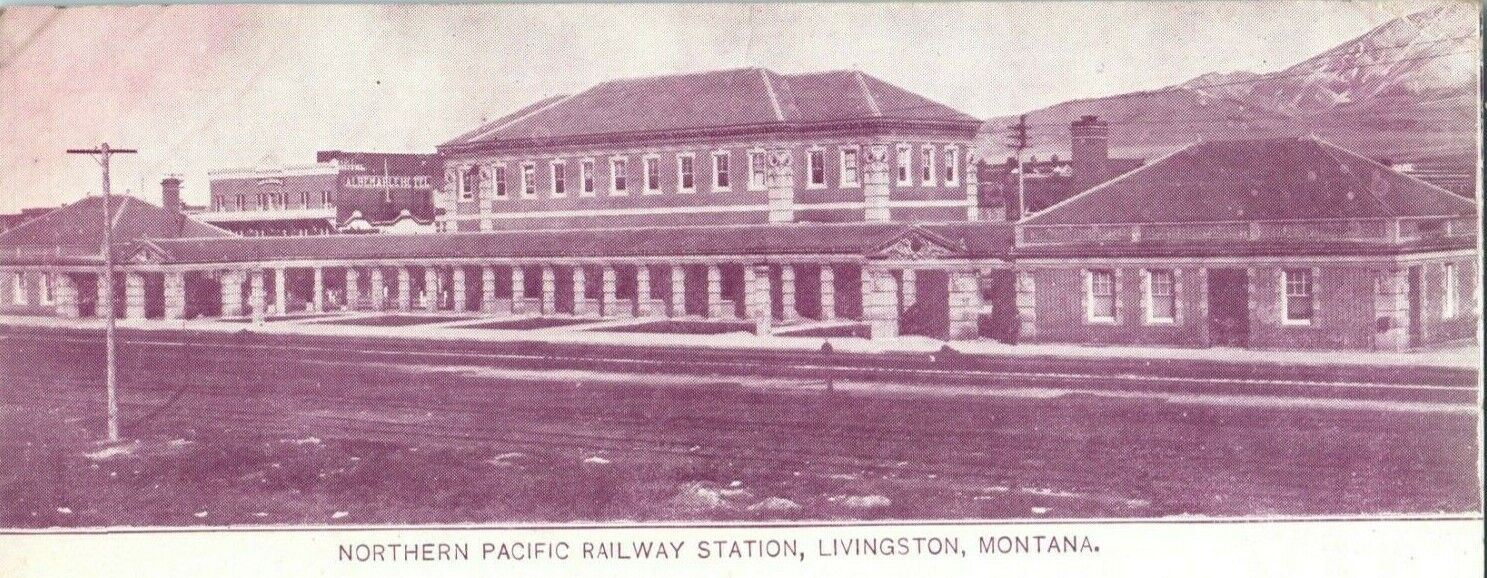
<point>586,174</point>
<point>1100,295</point>
<point>652,174</point>
<point>559,179</point>
<point>686,172</point>
<point>952,165</point>
<point>324,199</point>
<point>618,179</point>
<point>720,171</point>
<point>927,165</point>
<point>757,171</point>
<point>1451,292</point>
<point>242,203</point>
<point>1161,296</point>
<point>1296,299</point>
<point>905,159</point>
<point>304,199</point>
<point>499,174</point>
<point>44,287</point>
<point>469,183</point>
<point>849,167</point>
<point>18,288</point>
<point>816,167</point>
<point>528,180</point>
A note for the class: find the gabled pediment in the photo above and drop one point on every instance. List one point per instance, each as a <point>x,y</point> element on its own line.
<point>916,243</point>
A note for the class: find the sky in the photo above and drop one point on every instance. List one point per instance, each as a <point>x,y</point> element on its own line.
<point>198,88</point>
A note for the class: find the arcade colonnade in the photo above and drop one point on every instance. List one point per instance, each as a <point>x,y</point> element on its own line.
<point>879,294</point>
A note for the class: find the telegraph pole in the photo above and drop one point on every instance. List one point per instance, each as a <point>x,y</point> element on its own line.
<point>101,154</point>
<point>1018,141</point>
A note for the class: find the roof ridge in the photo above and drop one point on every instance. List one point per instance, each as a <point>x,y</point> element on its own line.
<point>1329,144</point>
<point>1367,188</point>
<point>555,101</point>
<point>774,100</point>
<point>1025,220</point>
<point>872,102</point>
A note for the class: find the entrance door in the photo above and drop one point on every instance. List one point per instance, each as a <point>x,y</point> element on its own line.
<point>1228,307</point>
<point>1415,306</point>
<point>930,314</point>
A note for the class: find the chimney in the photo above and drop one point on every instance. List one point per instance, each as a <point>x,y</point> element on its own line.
<point>170,194</point>
<point>1090,147</point>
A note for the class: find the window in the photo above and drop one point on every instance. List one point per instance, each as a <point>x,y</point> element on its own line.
<point>1161,296</point>
<point>1296,298</point>
<point>757,170</point>
<point>1100,295</point>
<point>324,199</point>
<point>652,174</point>
<point>559,179</point>
<point>927,165</point>
<point>849,167</point>
<point>720,171</point>
<point>815,161</point>
<point>905,158</point>
<point>242,202</point>
<point>617,176</point>
<point>499,175</point>
<point>304,199</point>
<point>469,183</point>
<point>586,177</point>
<point>528,180</point>
<point>18,288</point>
<point>1451,291</point>
<point>952,165</point>
<point>44,287</point>
<point>686,172</point>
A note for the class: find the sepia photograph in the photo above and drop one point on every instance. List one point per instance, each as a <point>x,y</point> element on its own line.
<point>738,266</point>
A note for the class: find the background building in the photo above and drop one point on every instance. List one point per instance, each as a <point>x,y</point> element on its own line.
<point>340,192</point>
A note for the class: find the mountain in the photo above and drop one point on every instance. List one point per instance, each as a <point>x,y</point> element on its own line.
<point>1405,90</point>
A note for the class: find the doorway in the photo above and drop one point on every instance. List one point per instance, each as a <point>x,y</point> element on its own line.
<point>1228,307</point>
<point>1417,304</point>
<point>930,314</point>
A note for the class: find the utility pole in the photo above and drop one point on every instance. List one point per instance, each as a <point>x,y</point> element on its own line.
<point>1018,141</point>
<point>101,154</point>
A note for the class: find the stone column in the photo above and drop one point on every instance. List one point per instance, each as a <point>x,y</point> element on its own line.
<point>67,296</point>
<point>134,296</point>
<point>644,305</point>
<point>678,291</point>
<point>431,288</point>
<point>781,185</point>
<point>353,287</point>
<point>787,294</point>
<point>909,290</point>
<point>175,295</point>
<point>257,298</point>
<point>1027,306</point>
<point>1391,307</point>
<point>488,289</point>
<point>378,287</point>
<point>281,290</point>
<point>405,289</point>
<point>828,293</point>
<point>609,304</point>
<point>879,303</point>
<point>973,194</point>
<point>965,304</point>
<point>457,281</point>
<point>714,292</point>
<point>519,289</point>
<point>549,290</point>
<point>318,300</point>
<point>757,305</point>
<point>581,305</point>
<point>875,179</point>
<point>232,293</point>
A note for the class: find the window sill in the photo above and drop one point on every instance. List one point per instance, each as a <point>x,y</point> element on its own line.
<point>655,192</point>
<point>1161,322</point>
<point>1099,321</point>
<point>1295,322</point>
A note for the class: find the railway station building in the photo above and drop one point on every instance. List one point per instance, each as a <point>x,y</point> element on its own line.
<point>835,204</point>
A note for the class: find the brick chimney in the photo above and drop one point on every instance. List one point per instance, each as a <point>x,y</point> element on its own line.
<point>1090,144</point>
<point>170,194</point>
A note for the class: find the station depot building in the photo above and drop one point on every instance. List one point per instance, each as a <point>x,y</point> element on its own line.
<point>824,204</point>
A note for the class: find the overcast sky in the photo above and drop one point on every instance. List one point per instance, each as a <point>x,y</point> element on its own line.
<point>198,88</point>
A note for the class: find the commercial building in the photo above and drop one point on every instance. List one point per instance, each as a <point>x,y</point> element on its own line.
<point>342,192</point>
<point>838,204</point>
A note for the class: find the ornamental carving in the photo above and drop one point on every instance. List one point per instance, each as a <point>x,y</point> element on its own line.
<point>915,247</point>
<point>875,164</point>
<point>780,173</point>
